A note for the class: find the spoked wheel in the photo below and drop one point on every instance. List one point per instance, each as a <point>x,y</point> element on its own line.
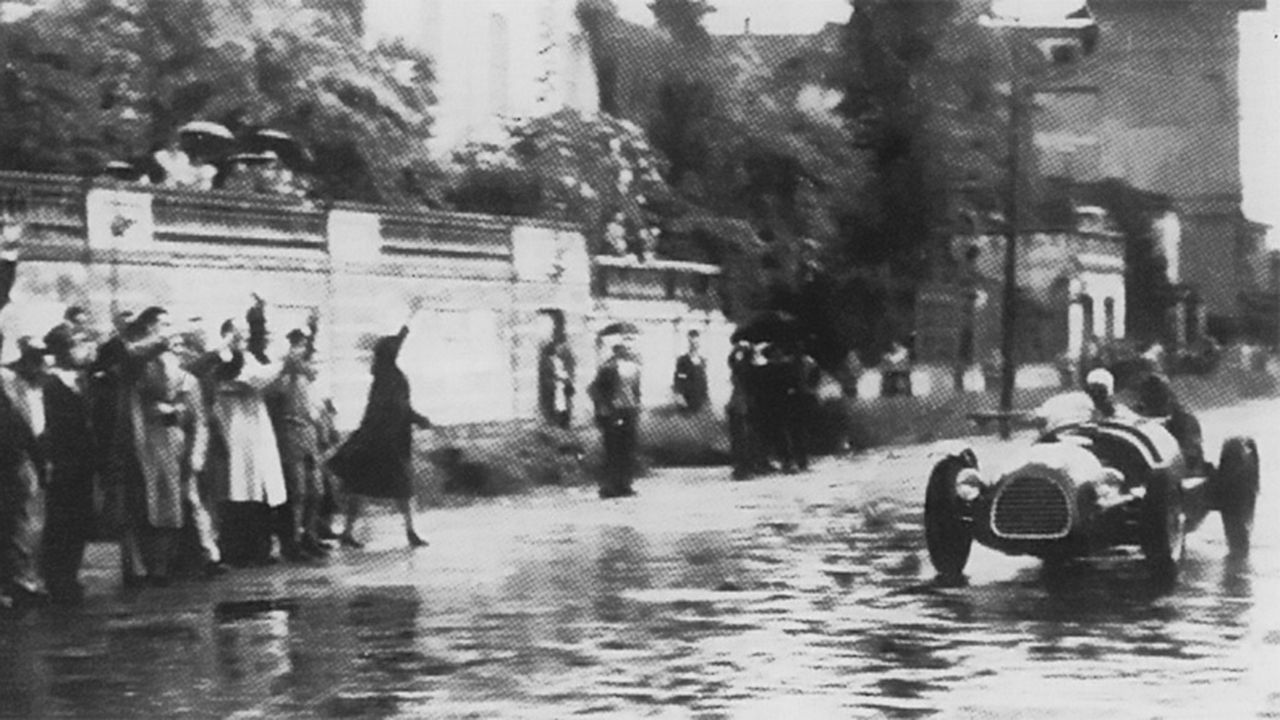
<point>1236,492</point>
<point>1164,525</point>
<point>947,530</point>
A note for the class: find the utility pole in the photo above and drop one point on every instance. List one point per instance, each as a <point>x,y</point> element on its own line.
<point>1012,229</point>
<point>1080,27</point>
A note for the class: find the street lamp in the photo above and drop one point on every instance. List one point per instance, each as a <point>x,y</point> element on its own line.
<point>1080,28</point>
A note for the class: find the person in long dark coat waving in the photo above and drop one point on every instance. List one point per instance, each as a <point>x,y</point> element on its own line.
<point>375,460</point>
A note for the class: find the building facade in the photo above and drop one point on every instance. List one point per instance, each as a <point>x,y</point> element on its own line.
<point>493,59</point>
<point>1157,105</point>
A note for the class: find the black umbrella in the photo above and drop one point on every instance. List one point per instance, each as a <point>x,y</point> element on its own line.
<point>122,170</point>
<point>207,129</point>
<point>773,326</point>
<point>619,328</point>
<point>290,150</point>
<point>205,140</point>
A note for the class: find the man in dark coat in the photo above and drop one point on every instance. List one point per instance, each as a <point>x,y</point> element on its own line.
<point>743,449</point>
<point>69,508</point>
<point>616,394</point>
<point>690,381</point>
<point>375,461</point>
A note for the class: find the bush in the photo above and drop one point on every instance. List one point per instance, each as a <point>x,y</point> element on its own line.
<point>509,462</point>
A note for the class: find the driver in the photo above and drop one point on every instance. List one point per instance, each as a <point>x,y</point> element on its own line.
<point>1157,399</point>
<point>1100,386</point>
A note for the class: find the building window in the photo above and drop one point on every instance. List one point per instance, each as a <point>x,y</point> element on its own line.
<point>1109,318</point>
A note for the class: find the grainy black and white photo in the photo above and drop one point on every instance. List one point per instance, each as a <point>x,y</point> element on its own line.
<point>707,359</point>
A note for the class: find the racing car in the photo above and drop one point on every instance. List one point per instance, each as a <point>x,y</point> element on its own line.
<point>1087,487</point>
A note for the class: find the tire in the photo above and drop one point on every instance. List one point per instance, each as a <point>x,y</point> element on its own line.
<point>1164,526</point>
<point>947,535</point>
<point>1236,488</point>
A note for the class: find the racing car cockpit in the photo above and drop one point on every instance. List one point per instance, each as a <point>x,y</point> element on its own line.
<point>1132,448</point>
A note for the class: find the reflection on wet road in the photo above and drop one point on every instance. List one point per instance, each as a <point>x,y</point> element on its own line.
<point>699,599</point>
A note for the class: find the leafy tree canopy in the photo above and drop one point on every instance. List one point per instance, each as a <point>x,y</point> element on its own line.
<point>88,81</point>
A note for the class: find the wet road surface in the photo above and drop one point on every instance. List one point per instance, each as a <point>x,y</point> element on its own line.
<point>804,597</point>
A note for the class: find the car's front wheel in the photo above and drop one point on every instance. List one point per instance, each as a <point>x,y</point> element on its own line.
<point>1236,491</point>
<point>947,531</point>
<point>1164,524</point>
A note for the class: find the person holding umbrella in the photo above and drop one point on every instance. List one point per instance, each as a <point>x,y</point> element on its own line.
<point>184,162</point>
<point>615,391</point>
<point>285,156</point>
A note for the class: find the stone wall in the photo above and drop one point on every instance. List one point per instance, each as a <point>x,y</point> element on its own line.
<point>484,286</point>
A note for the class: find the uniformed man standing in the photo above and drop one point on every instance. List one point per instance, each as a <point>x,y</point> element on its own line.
<point>690,381</point>
<point>616,394</point>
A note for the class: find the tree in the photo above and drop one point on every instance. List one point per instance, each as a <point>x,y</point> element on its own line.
<point>920,92</point>
<point>683,20</point>
<point>87,81</point>
<point>599,173</point>
<point>764,173</point>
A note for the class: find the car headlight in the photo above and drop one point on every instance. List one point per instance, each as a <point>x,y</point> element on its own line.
<point>968,485</point>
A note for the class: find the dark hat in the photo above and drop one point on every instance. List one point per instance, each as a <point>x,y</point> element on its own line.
<point>297,335</point>
<point>58,341</point>
<point>30,350</point>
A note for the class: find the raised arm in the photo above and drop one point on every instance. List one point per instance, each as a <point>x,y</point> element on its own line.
<point>8,273</point>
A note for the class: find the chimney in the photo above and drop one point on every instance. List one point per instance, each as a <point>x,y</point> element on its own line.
<point>746,26</point>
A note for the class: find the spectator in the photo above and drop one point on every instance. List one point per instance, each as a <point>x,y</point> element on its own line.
<point>375,461</point>
<point>616,395</point>
<point>276,178</point>
<point>69,506</point>
<point>897,371</point>
<point>22,459</point>
<point>240,173</point>
<point>744,439</point>
<point>299,444</point>
<point>251,477</point>
<point>690,381</point>
<point>779,396</point>
<point>328,439</point>
<point>178,170</point>
<point>162,449</point>
<point>556,387</point>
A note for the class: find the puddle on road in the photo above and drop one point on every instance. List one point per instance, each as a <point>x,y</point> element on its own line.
<point>830,611</point>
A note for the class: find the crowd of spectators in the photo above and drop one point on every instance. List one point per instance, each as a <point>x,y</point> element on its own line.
<point>262,161</point>
<point>196,456</point>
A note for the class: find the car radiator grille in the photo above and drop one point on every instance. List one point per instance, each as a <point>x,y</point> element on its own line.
<point>1031,507</point>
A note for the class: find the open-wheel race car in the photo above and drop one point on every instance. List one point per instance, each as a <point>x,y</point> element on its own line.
<point>1086,487</point>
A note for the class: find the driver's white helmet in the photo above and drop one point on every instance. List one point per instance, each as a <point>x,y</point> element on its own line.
<point>1102,378</point>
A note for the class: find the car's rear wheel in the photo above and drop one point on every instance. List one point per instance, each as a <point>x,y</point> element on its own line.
<point>1163,527</point>
<point>947,531</point>
<point>1236,491</point>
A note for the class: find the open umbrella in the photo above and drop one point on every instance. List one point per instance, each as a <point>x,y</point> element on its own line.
<point>206,129</point>
<point>290,150</point>
<point>773,326</point>
<point>619,328</point>
<point>122,170</point>
<point>205,140</point>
